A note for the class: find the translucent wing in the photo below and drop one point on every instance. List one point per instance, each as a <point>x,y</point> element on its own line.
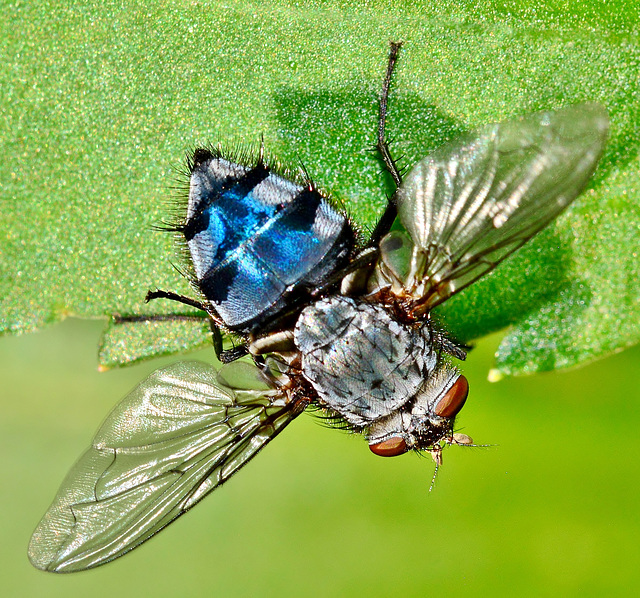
<point>471,203</point>
<point>179,435</point>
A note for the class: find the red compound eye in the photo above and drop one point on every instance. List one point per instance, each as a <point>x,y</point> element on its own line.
<point>391,447</point>
<point>454,400</point>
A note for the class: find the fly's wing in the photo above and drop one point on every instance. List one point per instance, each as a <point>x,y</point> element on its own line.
<point>474,201</point>
<point>179,435</point>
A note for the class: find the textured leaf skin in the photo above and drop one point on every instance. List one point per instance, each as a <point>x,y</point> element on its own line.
<point>97,119</point>
<point>125,342</point>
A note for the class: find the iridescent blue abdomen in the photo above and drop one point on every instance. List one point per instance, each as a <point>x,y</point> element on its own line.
<point>257,240</point>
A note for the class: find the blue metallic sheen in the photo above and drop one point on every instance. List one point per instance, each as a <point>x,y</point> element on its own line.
<point>256,239</point>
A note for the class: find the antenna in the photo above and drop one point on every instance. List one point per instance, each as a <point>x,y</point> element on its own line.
<point>433,479</point>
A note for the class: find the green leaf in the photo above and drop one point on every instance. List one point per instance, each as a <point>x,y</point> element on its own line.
<point>100,102</point>
<point>125,342</point>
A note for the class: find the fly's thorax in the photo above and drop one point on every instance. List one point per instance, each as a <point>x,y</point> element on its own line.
<point>361,361</point>
<point>426,421</point>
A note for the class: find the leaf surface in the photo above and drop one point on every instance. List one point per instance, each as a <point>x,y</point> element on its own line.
<point>99,105</point>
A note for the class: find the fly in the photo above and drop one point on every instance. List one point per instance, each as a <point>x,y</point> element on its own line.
<point>327,322</point>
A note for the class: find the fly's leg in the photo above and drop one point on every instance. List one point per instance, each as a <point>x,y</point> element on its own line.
<point>158,294</point>
<point>231,354</point>
<point>214,321</point>
<point>353,274</point>
<point>382,146</point>
<point>118,319</point>
<point>216,337</point>
<point>205,307</point>
<point>225,356</point>
<point>451,347</point>
<point>228,355</point>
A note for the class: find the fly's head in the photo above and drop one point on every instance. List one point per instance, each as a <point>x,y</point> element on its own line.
<point>426,423</point>
<point>382,375</point>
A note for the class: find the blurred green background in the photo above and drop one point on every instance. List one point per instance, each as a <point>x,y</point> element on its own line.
<point>550,509</point>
